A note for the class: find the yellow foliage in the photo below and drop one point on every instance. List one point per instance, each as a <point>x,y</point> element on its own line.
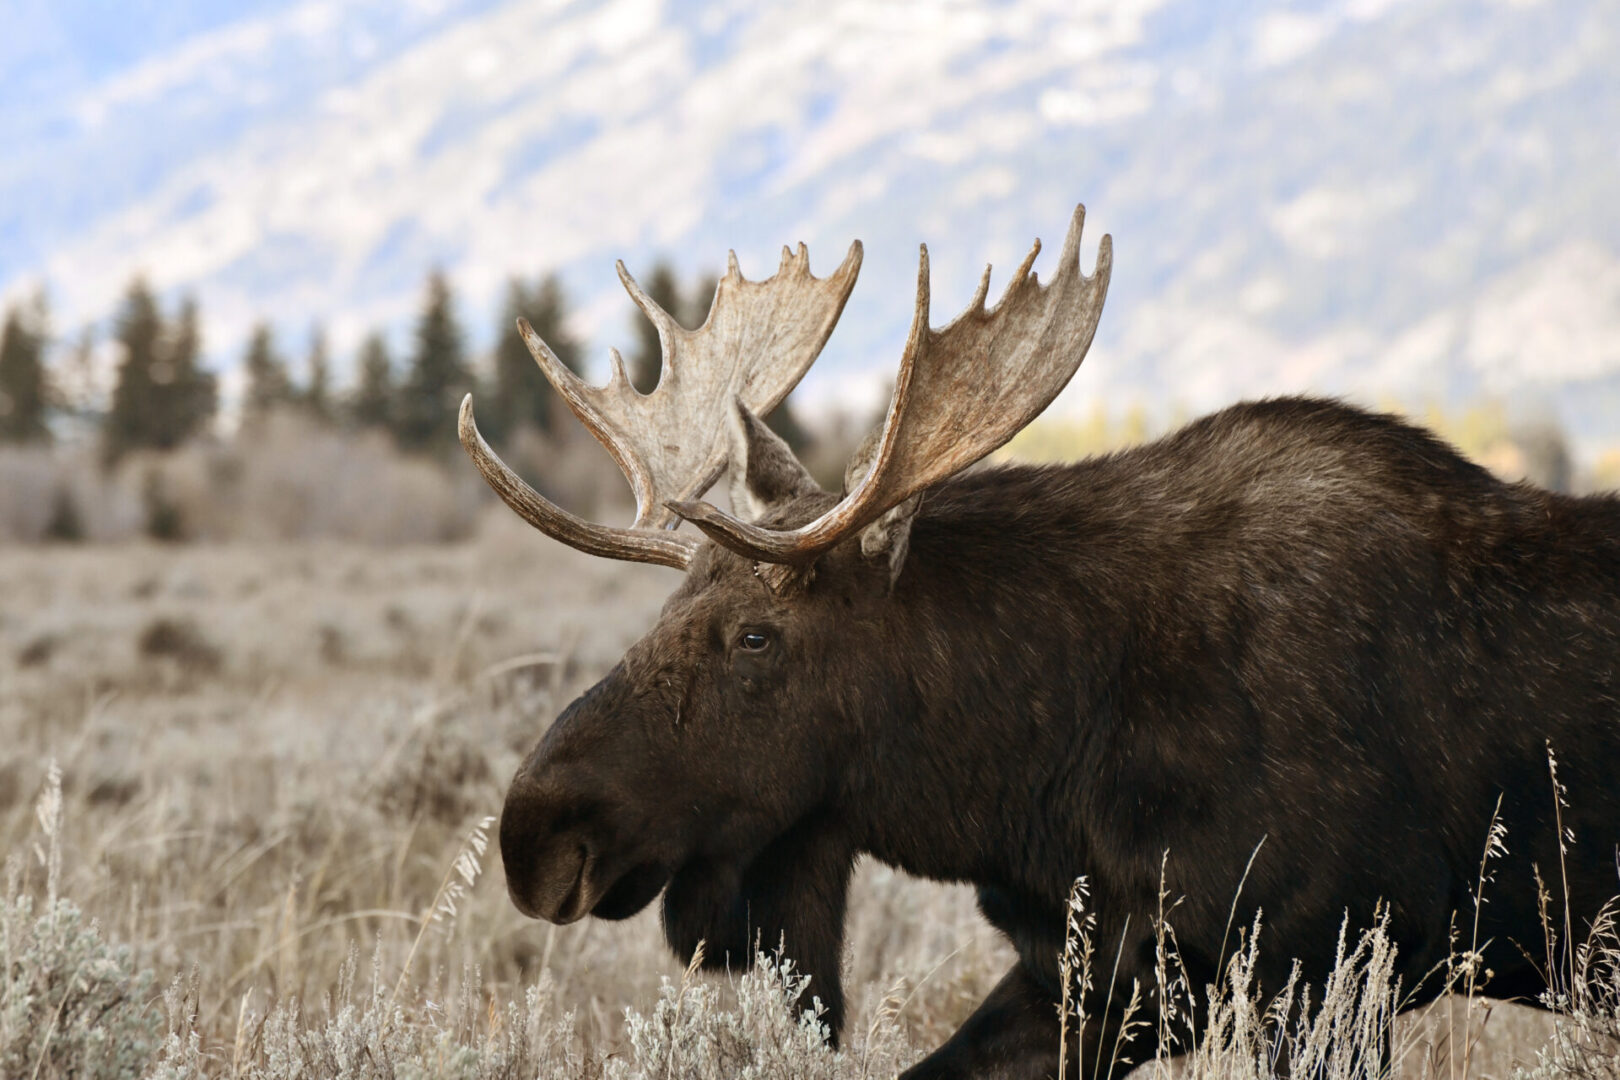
<point>1481,430</point>
<point>1606,472</point>
<point>1052,439</point>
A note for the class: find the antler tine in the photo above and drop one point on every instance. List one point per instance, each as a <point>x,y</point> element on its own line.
<point>672,443</point>
<point>635,545</point>
<point>578,396</point>
<point>961,392</point>
<point>979,294</point>
<point>919,313</point>
<point>1029,260</point>
<point>662,320</point>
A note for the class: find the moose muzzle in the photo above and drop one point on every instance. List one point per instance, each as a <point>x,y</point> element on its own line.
<point>549,858</point>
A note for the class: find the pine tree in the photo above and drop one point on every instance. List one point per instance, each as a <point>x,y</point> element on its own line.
<point>24,388</point>
<point>438,376</point>
<point>192,396</point>
<point>269,386</point>
<point>139,333</point>
<point>646,360</point>
<point>317,396</point>
<point>162,396</point>
<point>522,395</point>
<point>373,402</point>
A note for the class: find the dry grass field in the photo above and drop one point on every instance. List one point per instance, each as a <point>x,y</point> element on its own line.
<point>271,761</point>
<point>272,756</point>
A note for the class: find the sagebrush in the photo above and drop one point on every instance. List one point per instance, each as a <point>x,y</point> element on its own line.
<point>247,850</point>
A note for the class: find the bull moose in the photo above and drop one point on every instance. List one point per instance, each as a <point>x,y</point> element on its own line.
<point>1292,620</point>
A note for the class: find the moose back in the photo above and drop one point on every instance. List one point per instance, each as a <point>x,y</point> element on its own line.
<point>1294,638</point>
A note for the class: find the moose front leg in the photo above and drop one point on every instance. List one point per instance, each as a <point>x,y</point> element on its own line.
<point>1014,1034</point>
<point>793,892</point>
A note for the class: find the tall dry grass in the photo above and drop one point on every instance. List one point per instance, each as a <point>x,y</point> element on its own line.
<point>272,759</point>
<point>265,853</point>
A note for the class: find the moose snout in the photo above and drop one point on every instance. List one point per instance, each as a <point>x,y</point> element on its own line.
<point>548,857</point>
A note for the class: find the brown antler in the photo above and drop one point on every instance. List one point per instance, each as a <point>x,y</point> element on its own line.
<point>962,392</point>
<point>672,444</point>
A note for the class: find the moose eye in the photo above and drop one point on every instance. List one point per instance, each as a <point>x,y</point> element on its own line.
<point>753,641</point>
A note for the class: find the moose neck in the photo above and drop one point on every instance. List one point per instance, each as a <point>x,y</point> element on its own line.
<point>1004,588</point>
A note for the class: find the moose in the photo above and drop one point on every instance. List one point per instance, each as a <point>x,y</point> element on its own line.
<point>1295,653</point>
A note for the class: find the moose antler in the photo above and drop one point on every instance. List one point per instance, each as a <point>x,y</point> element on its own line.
<point>672,444</point>
<point>962,392</point>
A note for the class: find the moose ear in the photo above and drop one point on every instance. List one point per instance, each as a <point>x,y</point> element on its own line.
<point>764,473</point>
<point>889,537</point>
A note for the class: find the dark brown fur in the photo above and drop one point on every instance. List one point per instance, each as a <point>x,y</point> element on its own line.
<point>1291,620</point>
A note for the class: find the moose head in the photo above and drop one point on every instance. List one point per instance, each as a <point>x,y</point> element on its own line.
<point>726,759</point>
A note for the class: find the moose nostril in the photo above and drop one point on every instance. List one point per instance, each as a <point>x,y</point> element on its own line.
<point>575,900</point>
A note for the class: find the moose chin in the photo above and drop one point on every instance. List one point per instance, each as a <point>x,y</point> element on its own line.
<point>1291,621</point>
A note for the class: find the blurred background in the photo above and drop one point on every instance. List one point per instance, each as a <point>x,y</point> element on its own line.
<point>284,646</point>
<point>252,253</point>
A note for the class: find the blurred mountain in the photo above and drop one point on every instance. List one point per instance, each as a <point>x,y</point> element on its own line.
<point>1374,197</point>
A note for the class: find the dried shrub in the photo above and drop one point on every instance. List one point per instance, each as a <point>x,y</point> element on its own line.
<point>38,651</point>
<point>332,644</point>
<point>1585,996</point>
<point>181,641</point>
<point>295,479</point>
<point>62,494</point>
<point>254,852</point>
<point>71,1004</point>
<point>113,789</point>
<point>165,520</point>
<point>12,786</point>
<point>770,1035</point>
<point>289,478</point>
<point>569,467</point>
<point>438,773</point>
<point>28,482</point>
<point>66,524</point>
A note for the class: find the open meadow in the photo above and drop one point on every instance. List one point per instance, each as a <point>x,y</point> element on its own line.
<point>272,759</point>
<point>272,756</point>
